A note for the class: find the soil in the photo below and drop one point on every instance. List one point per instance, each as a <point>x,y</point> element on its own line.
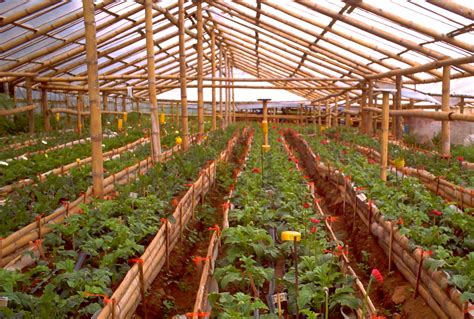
<point>173,292</point>
<point>364,251</point>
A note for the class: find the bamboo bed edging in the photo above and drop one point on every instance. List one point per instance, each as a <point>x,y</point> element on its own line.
<point>127,296</point>
<point>438,185</point>
<point>50,149</point>
<point>434,281</point>
<point>12,245</point>
<point>65,168</point>
<point>17,110</point>
<point>201,305</point>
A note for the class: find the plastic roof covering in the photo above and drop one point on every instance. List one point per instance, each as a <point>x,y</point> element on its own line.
<point>335,46</point>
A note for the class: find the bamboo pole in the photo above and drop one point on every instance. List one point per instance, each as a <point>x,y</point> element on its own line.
<point>398,106</point>
<point>26,11</point>
<point>384,137</point>
<point>16,110</point>
<point>336,111</point>
<point>182,67</point>
<point>95,120</point>
<point>445,126</point>
<point>124,103</point>
<point>370,102</point>
<point>79,106</point>
<point>232,94</point>
<point>227,91</point>
<point>29,101</point>
<point>347,115</point>
<point>328,114</point>
<point>439,116</point>
<point>44,110</point>
<point>155,125</point>
<point>200,92</point>
<point>363,113</point>
<point>213,85</point>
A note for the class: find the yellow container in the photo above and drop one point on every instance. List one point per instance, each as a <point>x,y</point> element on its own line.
<point>265,127</point>
<point>265,148</point>
<point>162,118</point>
<point>290,235</point>
<point>57,117</point>
<point>119,124</point>
<point>125,116</point>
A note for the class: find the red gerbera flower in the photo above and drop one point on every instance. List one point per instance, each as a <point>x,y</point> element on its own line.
<point>460,159</point>
<point>306,205</point>
<point>313,229</point>
<point>279,140</point>
<point>315,220</point>
<point>256,170</point>
<point>436,212</point>
<point>377,275</point>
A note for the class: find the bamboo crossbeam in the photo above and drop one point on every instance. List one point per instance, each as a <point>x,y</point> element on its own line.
<point>454,7</point>
<point>439,116</point>
<point>27,11</point>
<point>17,110</point>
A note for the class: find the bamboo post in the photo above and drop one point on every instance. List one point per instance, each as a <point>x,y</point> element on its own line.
<point>328,114</point>
<point>44,109</point>
<point>320,120</point>
<point>398,106</point>
<point>232,93</point>
<point>176,119</point>
<point>105,101</point>
<point>445,125</point>
<point>336,112</point>
<point>155,124</point>
<point>124,103</point>
<point>139,114</point>
<point>227,95</point>
<point>461,105</point>
<point>363,114</point>
<point>200,56</point>
<point>29,101</point>
<point>369,115</point>
<point>265,120</point>
<point>79,106</point>
<point>213,62</point>
<point>93,82</point>
<point>347,118</point>
<point>220,88</point>
<point>384,137</point>
<point>68,106</point>
<point>182,78</point>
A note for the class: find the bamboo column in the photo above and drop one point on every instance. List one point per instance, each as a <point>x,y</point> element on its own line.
<point>105,101</point>
<point>213,62</point>
<point>220,88</point>
<point>336,112</point>
<point>29,101</point>
<point>182,78</point>
<point>320,120</point>
<point>328,114</point>
<point>150,50</point>
<point>139,114</point>
<point>44,109</point>
<point>461,106</point>
<point>68,106</point>
<point>363,115</point>
<point>200,56</point>
<point>176,114</point>
<point>384,137</point>
<point>398,106</point>
<point>232,93</point>
<point>93,82</point>
<point>124,103</point>
<point>369,115</point>
<point>445,126</point>
<point>79,107</point>
<point>347,118</point>
<point>265,122</point>
<point>227,91</point>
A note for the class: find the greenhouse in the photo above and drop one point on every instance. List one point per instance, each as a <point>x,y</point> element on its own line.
<point>237,159</point>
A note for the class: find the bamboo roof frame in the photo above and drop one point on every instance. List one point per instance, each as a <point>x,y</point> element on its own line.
<point>250,41</point>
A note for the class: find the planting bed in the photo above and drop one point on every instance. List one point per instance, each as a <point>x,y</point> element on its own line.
<point>415,225</point>
<point>87,255</point>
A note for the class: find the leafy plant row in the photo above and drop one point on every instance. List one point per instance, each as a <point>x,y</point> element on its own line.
<point>436,226</point>
<point>451,169</point>
<point>108,233</point>
<point>271,196</point>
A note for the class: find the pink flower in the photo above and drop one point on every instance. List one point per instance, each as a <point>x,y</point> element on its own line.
<point>377,275</point>
<point>315,220</point>
<point>313,229</point>
<point>460,159</point>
